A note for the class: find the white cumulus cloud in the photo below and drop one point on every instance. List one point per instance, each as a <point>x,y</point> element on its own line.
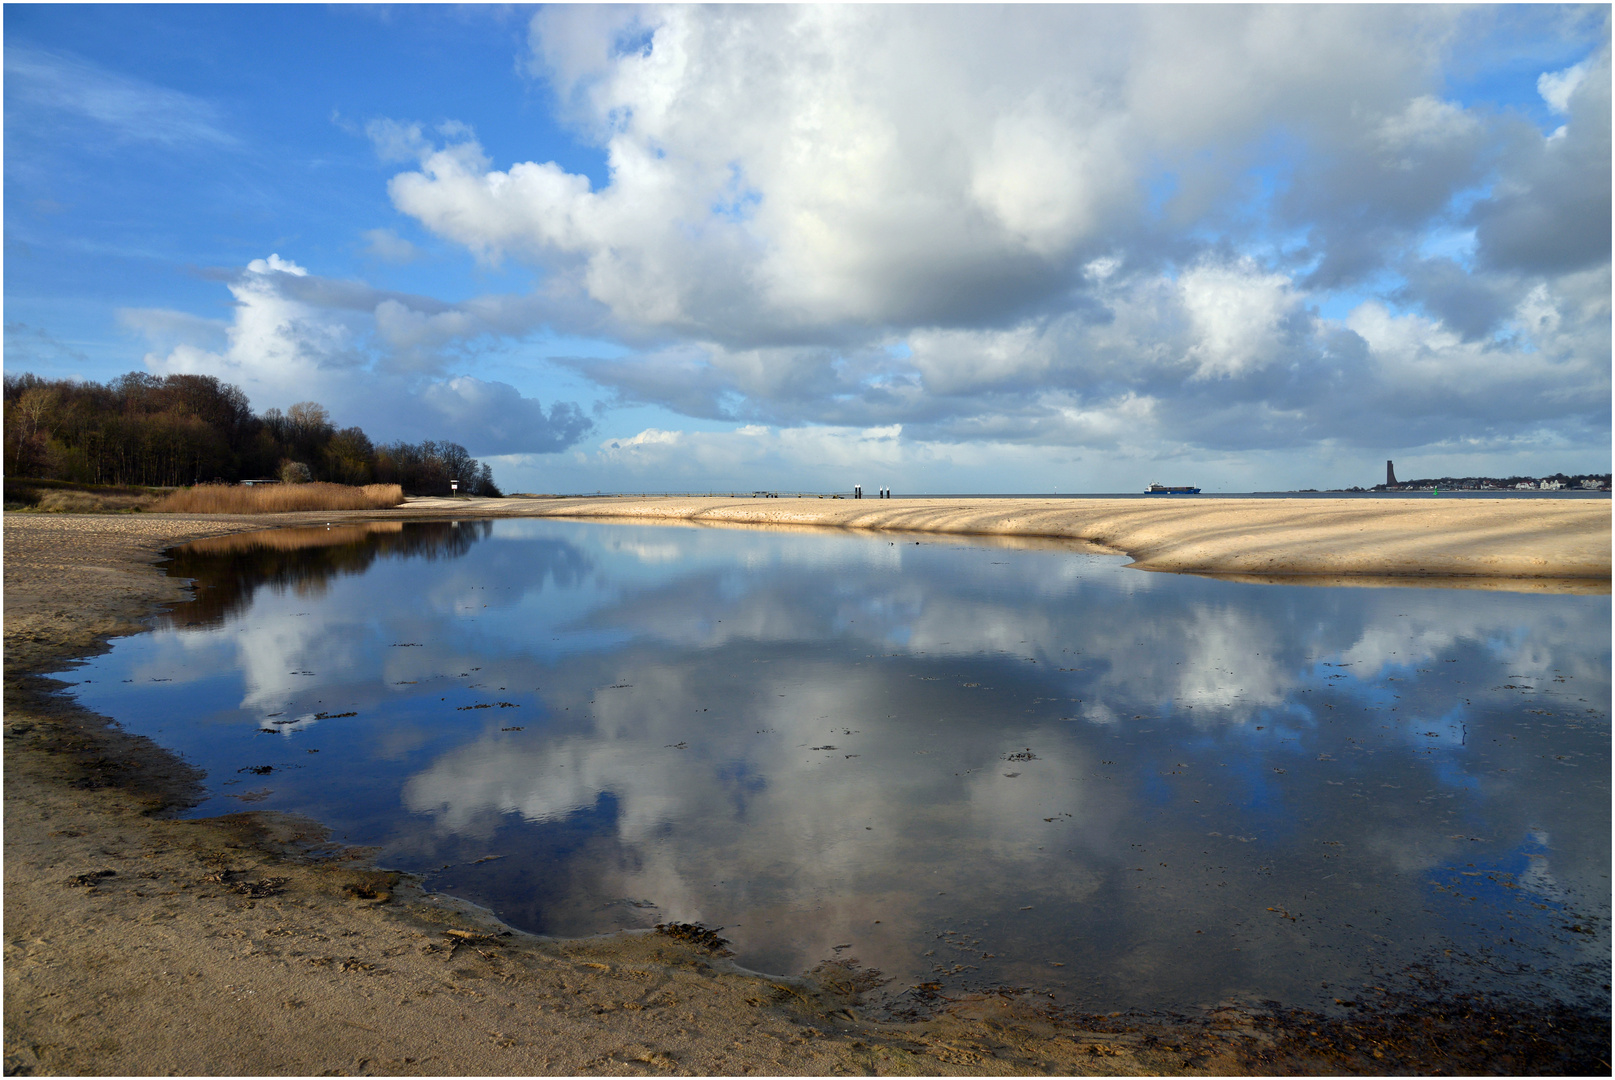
<point>1057,226</point>
<point>374,359</point>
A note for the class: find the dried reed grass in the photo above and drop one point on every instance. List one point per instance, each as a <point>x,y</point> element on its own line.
<point>278,498</point>
<point>87,502</point>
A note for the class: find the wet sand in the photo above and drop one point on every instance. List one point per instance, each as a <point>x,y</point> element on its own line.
<point>139,944</point>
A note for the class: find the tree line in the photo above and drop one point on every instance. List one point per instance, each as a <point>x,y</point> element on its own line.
<point>178,430</point>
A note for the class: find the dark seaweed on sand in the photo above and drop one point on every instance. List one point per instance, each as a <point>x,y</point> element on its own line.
<point>696,934</point>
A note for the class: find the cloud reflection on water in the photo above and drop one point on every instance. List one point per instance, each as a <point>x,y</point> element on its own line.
<point>1230,788</point>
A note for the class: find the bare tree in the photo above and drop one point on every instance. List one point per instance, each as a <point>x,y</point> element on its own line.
<point>32,414</point>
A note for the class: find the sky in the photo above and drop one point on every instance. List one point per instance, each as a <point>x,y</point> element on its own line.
<point>941,249</point>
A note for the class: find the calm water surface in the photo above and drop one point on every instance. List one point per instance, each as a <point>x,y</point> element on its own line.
<point>959,762</point>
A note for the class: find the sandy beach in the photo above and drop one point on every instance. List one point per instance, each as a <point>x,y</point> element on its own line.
<point>139,944</point>
<point>1495,538</point>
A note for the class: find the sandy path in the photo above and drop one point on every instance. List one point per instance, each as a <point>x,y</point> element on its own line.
<point>137,944</point>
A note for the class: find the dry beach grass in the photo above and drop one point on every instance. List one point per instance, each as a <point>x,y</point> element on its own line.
<point>277,498</point>
<point>79,502</point>
<point>139,944</point>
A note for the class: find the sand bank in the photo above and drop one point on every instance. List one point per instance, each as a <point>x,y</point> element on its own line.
<point>1490,538</point>
<point>138,944</point>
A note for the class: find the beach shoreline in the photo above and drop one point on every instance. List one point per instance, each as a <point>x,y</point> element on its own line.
<point>137,943</point>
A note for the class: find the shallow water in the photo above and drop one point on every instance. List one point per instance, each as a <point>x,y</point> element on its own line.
<point>965,763</point>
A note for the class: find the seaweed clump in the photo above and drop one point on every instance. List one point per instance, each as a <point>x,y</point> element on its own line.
<point>698,935</point>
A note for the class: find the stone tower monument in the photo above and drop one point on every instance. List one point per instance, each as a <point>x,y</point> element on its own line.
<point>1390,474</point>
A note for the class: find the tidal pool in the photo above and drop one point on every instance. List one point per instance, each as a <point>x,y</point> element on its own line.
<point>964,763</point>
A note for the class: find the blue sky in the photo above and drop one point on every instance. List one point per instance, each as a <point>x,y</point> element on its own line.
<point>940,249</point>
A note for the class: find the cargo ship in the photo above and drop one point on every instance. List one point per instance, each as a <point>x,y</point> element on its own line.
<point>1162,489</point>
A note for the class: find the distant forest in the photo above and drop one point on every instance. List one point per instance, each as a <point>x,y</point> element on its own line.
<point>179,430</point>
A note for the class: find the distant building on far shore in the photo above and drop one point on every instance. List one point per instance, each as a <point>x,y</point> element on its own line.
<point>1556,482</point>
